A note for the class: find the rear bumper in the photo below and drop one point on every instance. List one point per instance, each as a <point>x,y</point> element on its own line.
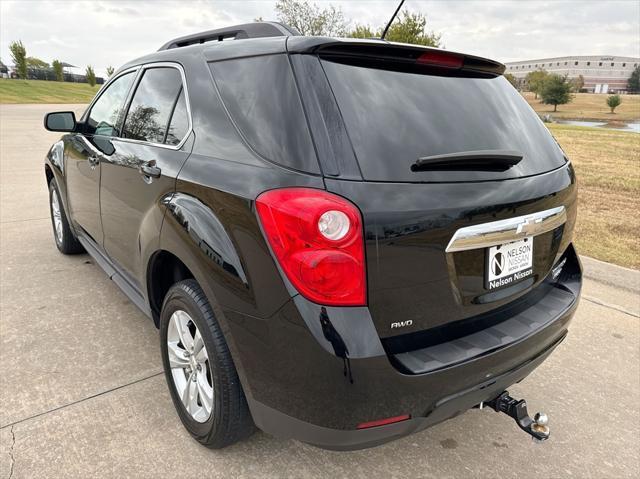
<point>279,424</point>
<point>314,384</point>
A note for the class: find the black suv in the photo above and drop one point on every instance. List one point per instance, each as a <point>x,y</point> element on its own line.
<point>340,241</point>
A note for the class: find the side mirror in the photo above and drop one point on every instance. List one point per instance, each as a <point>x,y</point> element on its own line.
<point>60,121</point>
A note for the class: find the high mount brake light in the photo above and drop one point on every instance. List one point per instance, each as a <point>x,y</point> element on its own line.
<point>317,238</point>
<point>440,59</point>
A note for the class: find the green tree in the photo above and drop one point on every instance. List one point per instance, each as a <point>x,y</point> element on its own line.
<point>110,70</point>
<point>309,19</point>
<point>407,28</point>
<point>412,28</point>
<point>58,70</point>
<point>34,62</point>
<point>556,90</point>
<point>535,80</point>
<point>577,83</point>
<point>511,79</point>
<point>19,57</point>
<point>613,101</point>
<point>633,83</point>
<point>364,31</point>
<point>91,75</point>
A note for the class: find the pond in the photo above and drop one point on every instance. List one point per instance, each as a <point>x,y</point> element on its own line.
<point>634,126</point>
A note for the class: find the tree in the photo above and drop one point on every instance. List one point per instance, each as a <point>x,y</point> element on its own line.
<point>577,83</point>
<point>19,57</point>
<point>408,28</point>
<point>535,80</point>
<point>311,19</point>
<point>34,62</point>
<point>511,79</point>
<point>556,90</point>
<point>613,101</point>
<point>364,31</point>
<point>633,84</point>
<point>58,70</point>
<point>110,70</point>
<point>91,76</point>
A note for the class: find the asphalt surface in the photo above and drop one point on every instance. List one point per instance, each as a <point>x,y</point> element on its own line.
<point>82,394</point>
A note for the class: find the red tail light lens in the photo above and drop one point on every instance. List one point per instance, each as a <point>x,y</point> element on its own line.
<point>441,59</point>
<point>318,241</point>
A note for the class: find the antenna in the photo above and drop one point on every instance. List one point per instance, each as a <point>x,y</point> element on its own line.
<point>384,33</point>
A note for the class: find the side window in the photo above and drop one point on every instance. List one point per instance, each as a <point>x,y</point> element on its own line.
<point>103,118</point>
<point>179,124</point>
<point>262,98</point>
<point>152,104</point>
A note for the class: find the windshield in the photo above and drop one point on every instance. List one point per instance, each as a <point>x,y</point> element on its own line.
<point>393,118</point>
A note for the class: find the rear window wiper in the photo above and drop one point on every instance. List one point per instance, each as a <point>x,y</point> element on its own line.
<point>480,160</point>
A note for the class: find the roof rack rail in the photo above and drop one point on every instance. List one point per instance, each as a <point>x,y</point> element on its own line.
<point>235,32</point>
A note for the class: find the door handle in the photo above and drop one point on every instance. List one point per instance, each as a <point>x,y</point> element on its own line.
<point>150,170</point>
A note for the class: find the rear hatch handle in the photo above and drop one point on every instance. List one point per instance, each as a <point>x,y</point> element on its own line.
<point>477,160</point>
<point>485,235</point>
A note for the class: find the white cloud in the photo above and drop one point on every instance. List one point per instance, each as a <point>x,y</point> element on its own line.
<point>113,32</point>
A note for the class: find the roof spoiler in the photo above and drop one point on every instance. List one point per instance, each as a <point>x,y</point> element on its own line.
<point>235,32</point>
<point>397,56</point>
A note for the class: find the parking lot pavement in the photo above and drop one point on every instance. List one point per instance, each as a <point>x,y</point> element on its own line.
<point>81,392</point>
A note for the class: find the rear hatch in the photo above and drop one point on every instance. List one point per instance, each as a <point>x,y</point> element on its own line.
<point>443,144</point>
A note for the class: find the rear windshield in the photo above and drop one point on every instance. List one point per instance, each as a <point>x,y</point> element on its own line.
<point>393,118</point>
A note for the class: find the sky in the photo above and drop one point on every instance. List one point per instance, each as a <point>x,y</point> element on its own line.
<point>103,33</point>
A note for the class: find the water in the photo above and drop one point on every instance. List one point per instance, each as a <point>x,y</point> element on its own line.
<point>633,127</point>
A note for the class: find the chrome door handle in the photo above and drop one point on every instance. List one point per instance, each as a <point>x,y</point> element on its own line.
<point>506,231</point>
<point>150,170</point>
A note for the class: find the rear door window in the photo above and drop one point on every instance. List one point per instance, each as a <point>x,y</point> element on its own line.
<point>261,96</point>
<point>179,124</point>
<point>153,104</point>
<point>393,118</point>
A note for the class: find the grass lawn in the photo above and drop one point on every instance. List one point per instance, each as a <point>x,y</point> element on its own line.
<point>607,165</point>
<point>590,106</point>
<point>40,91</point>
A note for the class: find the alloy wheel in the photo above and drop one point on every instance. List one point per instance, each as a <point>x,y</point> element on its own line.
<point>57,215</point>
<point>190,367</point>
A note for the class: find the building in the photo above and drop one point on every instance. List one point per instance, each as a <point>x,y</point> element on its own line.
<point>601,73</point>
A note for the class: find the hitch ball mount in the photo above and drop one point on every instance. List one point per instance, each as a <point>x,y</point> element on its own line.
<point>538,427</point>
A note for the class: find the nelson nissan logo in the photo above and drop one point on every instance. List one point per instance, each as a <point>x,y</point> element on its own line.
<point>497,264</point>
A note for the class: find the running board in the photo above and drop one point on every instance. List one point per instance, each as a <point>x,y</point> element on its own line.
<point>114,274</point>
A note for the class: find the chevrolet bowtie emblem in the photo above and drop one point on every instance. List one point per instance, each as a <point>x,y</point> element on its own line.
<point>527,225</point>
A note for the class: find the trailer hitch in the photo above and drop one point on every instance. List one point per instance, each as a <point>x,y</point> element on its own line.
<point>537,427</point>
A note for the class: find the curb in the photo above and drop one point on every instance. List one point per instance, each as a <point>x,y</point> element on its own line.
<point>611,274</point>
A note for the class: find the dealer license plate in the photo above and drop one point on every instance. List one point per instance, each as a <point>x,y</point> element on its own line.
<point>509,263</point>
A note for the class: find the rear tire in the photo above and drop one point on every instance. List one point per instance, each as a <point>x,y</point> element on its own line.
<point>215,411</point>
<point>65,239</point>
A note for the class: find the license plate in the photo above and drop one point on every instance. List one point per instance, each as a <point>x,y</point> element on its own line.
<point>509,263</point>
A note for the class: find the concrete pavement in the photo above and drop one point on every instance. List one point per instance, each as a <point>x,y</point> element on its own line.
<point>82,394</point>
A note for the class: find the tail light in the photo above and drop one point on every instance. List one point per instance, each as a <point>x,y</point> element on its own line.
<point>318,241</point>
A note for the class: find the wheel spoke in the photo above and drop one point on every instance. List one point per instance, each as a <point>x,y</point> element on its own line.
<point>177,358</point>
<point>199,350</point>
<point>182,326</point>
<point>191,392</point>
<point>205,391</point>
